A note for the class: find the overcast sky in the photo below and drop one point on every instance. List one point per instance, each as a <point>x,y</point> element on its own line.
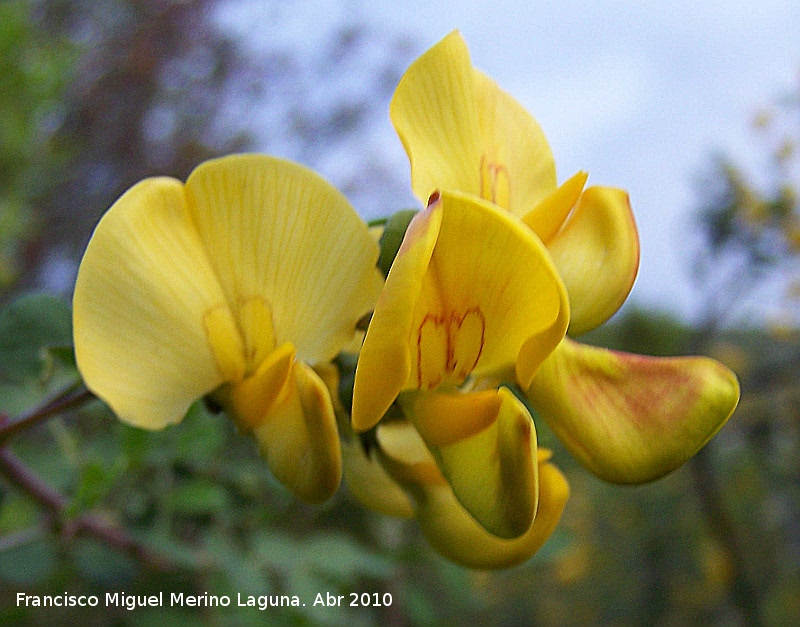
<point>639,94</point>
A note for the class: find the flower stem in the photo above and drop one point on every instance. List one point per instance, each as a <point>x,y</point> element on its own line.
<point>73,396</point>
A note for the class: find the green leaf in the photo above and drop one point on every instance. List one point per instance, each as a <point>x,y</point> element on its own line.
<point>17,513</point>
<point>101,564</point>
<point>29,564</point>
<point>197,497</point>
<point>278,550</point>
<point>392,237</point>
<point>96,480</point>
<point>242,569</point>
<point>29,327</point>
<point>201,435</point>
<point>176,552</point>
<point>344,559</point>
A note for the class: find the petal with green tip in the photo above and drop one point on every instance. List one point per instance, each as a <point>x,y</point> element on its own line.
<point>629,418</point>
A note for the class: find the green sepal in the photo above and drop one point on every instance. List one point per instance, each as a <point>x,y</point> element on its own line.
<point>392,237</point>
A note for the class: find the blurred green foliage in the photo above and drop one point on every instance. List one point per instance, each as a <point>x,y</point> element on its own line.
<point>34,72</point>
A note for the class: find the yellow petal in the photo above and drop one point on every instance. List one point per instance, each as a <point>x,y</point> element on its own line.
<point>451,530</point>
<point>539,346</point>
<point>142,296</point>
<point>275,230</point>
<point>366,479</point>
<point>483,443</point>
<point>457,536</point>
<point>435,114</point>
<point>384,364</point>
<point>516,165</point>
<point>299,439</point>
<point>628,418</point>
<point>548,216</point>
<point>462,132</point>
<point>251,401</point>
<point>405,455</point>
<point>370,484</point>
<point>494,285</point>
<point>597,254</point>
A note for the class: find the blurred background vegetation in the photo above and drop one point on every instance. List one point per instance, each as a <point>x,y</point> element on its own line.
<point>97,95</point>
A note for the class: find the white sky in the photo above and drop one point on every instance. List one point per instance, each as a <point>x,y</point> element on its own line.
<point>639,94</point>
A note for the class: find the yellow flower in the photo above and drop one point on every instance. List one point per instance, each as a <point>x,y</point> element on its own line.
<point>462,132</point>
<point>629,419</point>
<point>236,284</point>
<point>472,296</point>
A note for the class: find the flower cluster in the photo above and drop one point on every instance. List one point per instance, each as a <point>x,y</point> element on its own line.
<point>244,283</point>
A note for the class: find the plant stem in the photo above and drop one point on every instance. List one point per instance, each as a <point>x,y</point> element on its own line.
<point>70,398</point>
<point>21,477</point>
<point>743,592</point>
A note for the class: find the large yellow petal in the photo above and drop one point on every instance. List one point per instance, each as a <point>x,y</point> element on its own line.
<point>146,302</point>
<point>457,536</point>
<point>596,252</point>
<point>469,287</point>
<point>298,436</point>
<point>516,165</point>
<point>384,364</point>
<point>435,114</point>
<point>628,418</point>
<point>485,446</point>
<point>275,230</point>
<point>488,266</point>
<point>462,132</point>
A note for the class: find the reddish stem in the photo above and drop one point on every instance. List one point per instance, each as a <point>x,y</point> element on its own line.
<point>74,396</point>
<point>20,476</point>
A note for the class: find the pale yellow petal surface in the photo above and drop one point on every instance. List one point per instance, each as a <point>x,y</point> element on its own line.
<point>435,114</point>
<point>384,364</point>
<point>597,254</point>
<point>142,294</point>
<point>457,536</point>
<point>405,456</point>
<point>370,484</point>
<point>485,446</point>
<point>275,230</point>
<point>516,165</point>
<point>628,418</point>
<point>299,439</point>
